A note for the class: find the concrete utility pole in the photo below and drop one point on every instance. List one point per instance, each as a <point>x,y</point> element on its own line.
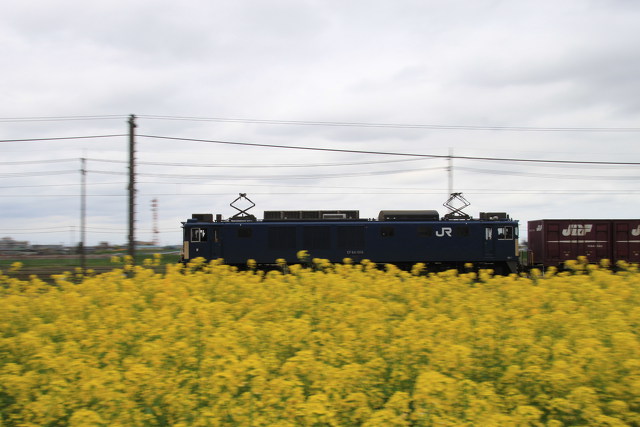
<point>450,169</point>
<point>132,186</point>
<point>83,213</point>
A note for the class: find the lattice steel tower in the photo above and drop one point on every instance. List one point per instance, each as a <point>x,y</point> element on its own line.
<point>155,231</point>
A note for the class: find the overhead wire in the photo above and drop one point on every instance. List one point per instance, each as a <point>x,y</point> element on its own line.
<point>428,126</point>
<point>240,165</point>
<point>62,118</point>
<point>550,175</point>
<point>395,125</point>
<point>38,162</point>
<point>62,138</point>
<point>306,165</point>
<point>25,174</point>
<point>355,187</point>
<point>294,147</point>
<point>70,184</point>
<point>581,192</point>
<point>391,153</point>
<point>278,177</point>
<point>405,192</point>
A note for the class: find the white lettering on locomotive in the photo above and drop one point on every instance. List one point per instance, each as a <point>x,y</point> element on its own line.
<point>636,231</point>
<point>577,230</point>
<point>444,231</point>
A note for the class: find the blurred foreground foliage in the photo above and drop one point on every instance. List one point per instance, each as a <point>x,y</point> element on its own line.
<point>334,345</point>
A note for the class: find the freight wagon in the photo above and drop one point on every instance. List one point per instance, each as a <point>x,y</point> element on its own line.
<point>554,241</point>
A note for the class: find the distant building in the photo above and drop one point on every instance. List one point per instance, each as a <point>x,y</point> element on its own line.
<point>7,244</point>
<point>103,245</point>
<point>50,249</point>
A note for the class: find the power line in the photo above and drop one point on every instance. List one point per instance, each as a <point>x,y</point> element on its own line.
<point>63,138</point>
<point>270,165</point>
<point>379,190</point>
<point>276,177</point>
<point>71,184</point>
<point>337,150</point>
<point>401,192</point>
<point>19,232</point>
<point>275,165</point>
<point>213,165</point>
<point>429,126</point>
<point>66,227</point>
<point>396,125</point>
<point>550,175</point>
<point>24,174</point>
<point>61,118</point>
<point>389,153</point>
<point>108,172</point>
<point>36,195</point>
<point>38,162</point>
<point>302,186</point>
<point>121,230</point>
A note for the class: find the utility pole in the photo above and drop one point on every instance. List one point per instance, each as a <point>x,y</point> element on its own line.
<point>450,170</point>
<point>83,212</point>
<point>132,186</point>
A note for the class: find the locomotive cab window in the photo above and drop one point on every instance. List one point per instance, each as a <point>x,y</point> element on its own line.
<point>199,235</point>
<point>505,233</point>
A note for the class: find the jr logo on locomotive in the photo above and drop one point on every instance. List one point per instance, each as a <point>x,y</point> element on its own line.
<point>444,231</point>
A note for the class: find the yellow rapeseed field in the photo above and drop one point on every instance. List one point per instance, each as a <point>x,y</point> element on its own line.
<point>334,345</point>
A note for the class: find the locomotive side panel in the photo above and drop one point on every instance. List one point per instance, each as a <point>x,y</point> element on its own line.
<point>265,242</point>
<point>445,243</point>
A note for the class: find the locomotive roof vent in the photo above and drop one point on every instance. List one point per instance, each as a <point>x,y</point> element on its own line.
<point>310,215</point>
<point>426,215</point>
<point>493,216</point>
<point>334,216</point>
<point>202,217</point>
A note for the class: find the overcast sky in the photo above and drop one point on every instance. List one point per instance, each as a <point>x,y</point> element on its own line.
<point>544,80</point>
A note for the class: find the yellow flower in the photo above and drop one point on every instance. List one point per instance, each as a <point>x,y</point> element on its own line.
<point>16,266</point>
<point>209,344</point>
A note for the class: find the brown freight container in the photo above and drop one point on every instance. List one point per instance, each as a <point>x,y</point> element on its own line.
<point>553,241</point>
<point>626,246</point>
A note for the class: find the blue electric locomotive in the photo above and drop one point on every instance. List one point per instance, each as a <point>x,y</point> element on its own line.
<point>397,236</point>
